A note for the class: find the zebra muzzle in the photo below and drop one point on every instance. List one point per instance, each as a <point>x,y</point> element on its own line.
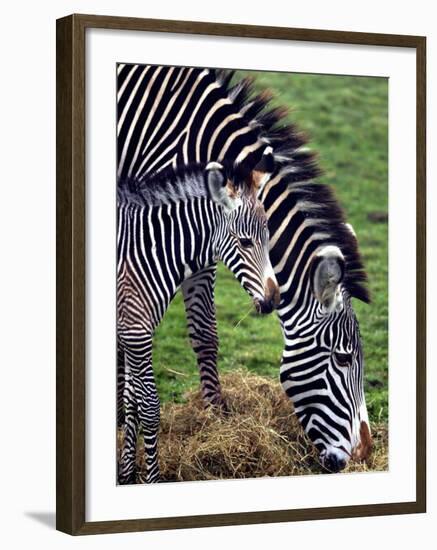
<point>272,292</point>
<point>263,307</point>
<point>271,299</point>
<point>364,447</point>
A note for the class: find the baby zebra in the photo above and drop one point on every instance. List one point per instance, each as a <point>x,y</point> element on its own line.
<point>168,229</point>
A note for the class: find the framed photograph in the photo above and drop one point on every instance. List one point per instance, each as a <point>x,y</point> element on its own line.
<point>240,274</point>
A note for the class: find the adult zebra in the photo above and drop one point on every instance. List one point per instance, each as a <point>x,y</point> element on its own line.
<point>168,229</point>
<point>314,253</point>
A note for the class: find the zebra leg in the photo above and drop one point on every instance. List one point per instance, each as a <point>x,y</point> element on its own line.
<point>120,386</point>
<point>127,470</point>
<point>198,292</point>
<point>149,415</point>
<point>142,408</point>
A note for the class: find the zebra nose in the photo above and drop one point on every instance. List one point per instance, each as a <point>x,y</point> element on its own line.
<point>334,463</point>
<point>272,292</point>
<point>264,306</point>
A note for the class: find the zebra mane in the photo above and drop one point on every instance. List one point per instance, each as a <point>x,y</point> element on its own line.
<point>168,186</point>
<point>317,203</point>
<point>297,167</point>
<point>286,139</point>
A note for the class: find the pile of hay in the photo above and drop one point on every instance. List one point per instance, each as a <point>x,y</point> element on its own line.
<point>260,436</point>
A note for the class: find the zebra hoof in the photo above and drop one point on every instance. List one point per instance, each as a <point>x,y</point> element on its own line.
<point>220,405</point>
<point>127,480</point>
<point>144,479</point>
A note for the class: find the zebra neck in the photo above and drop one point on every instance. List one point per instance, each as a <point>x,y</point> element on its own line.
<point>301,314</point>
<point>174,239</point>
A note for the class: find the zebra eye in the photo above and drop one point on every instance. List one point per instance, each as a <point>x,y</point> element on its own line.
<point>343,359</point>
<point>246,243</point>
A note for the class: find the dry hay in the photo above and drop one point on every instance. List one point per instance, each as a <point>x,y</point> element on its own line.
<point>259,436</point>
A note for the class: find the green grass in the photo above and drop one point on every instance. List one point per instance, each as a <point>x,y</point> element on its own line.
<point>346,119</point>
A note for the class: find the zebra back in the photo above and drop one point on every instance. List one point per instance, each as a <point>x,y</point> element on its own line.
<point>175,116</point>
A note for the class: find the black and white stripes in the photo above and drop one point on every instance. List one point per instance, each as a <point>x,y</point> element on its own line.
<point>319,270</point>
<point>169,230</point>
<point>170,117</point>
<point>174,116</point>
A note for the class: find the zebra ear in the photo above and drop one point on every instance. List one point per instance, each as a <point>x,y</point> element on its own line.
<point>351,230</point>
<point>267,162</point>
<point>327,272</point>
<point>222,191</point>
<point>263,170</point>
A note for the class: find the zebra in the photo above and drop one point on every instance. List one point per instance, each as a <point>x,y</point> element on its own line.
<point>170,228</point>
<point>168,117</point>
<point>319,270</point>
<point>313,251</point>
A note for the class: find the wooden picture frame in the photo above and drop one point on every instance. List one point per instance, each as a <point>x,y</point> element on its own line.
<point>71,247</point>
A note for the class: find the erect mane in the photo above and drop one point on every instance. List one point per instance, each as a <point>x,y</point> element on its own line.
<point>287,141</point>
<point>317,203</point>
<point>298,167</point>
<point>171,185</point>
<point>331,219</point>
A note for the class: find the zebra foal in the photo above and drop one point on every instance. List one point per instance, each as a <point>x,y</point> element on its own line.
<point>168,230</point>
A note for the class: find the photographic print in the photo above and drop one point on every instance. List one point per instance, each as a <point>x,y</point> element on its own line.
<point>252,274</point>
<point>238,338</point>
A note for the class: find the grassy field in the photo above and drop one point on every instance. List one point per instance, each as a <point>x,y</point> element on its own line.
<point>346,119</point>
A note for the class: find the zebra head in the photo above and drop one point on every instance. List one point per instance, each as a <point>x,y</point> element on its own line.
<point>322,369</point>
<point>243,237</point>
